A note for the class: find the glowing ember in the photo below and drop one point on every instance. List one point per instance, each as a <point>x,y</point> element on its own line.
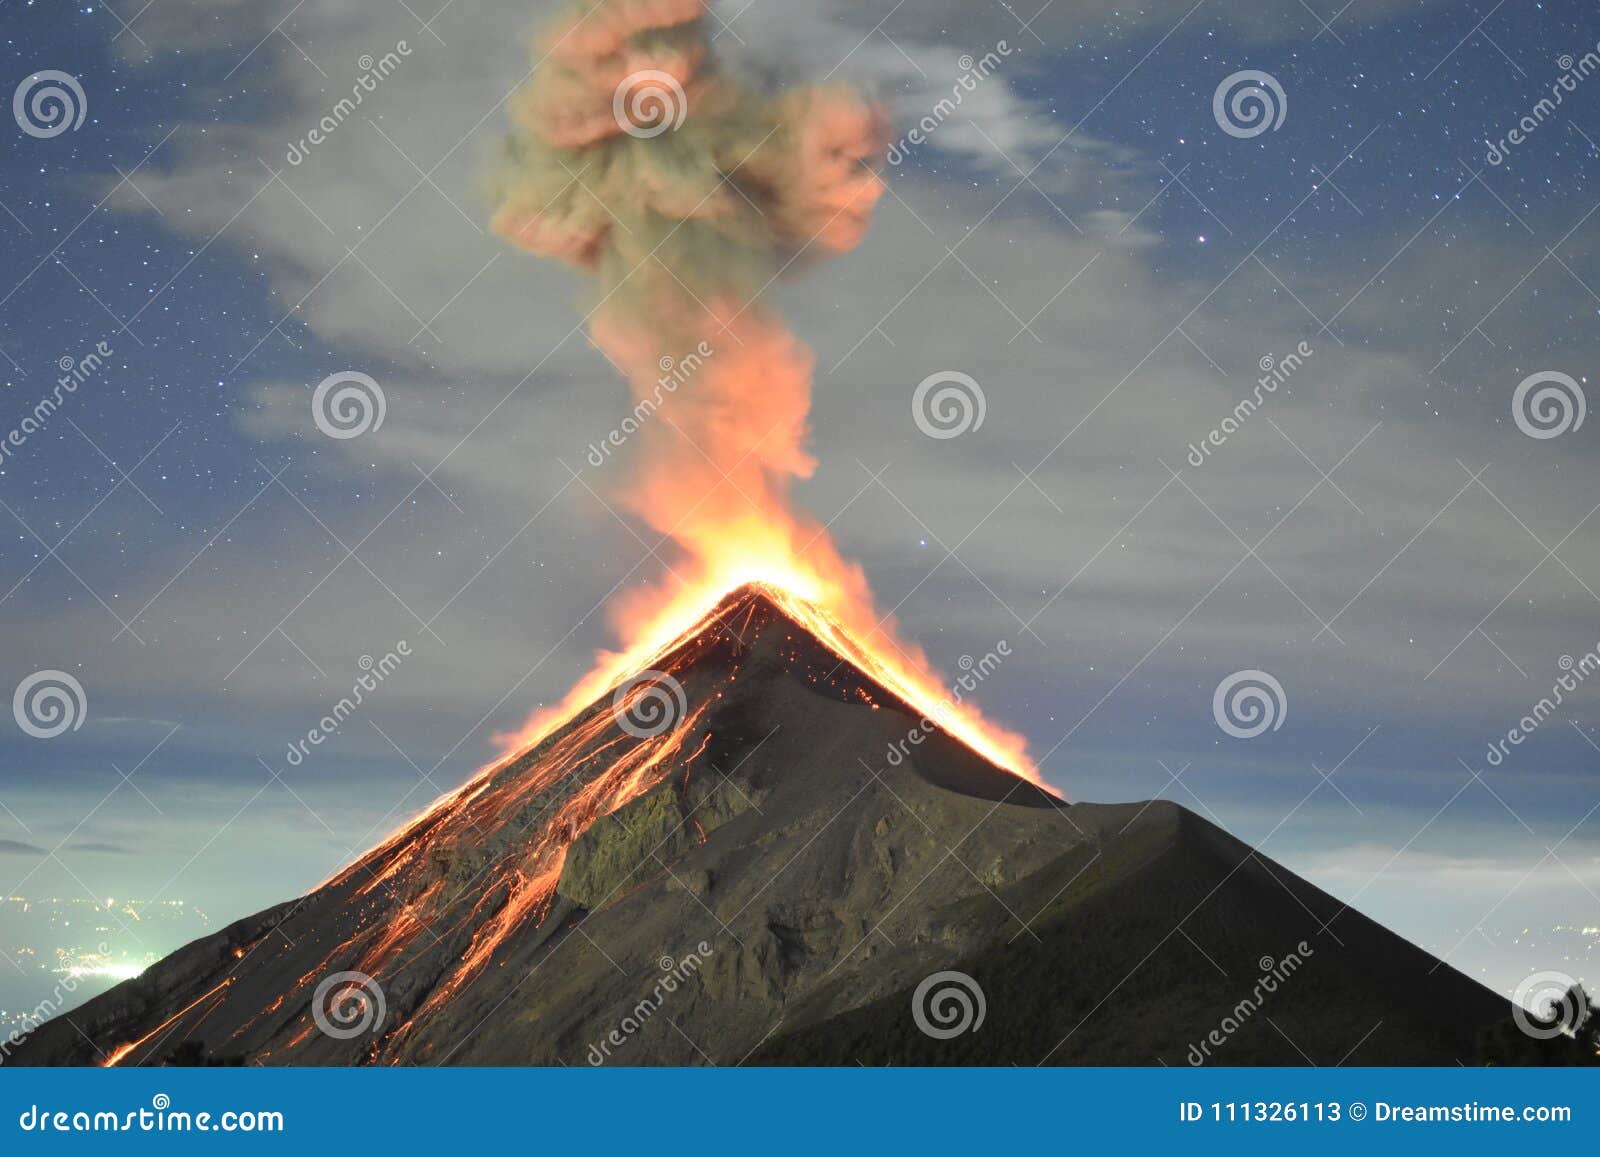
<point>165,1029</point>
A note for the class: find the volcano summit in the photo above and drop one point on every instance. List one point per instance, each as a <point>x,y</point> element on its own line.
<point>717,863</point>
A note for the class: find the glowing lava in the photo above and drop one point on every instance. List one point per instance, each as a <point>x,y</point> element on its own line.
<point>122,1052</point>
<point>836,611</point>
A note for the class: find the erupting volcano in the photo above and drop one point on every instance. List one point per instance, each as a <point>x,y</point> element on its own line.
<point>685,197</point>
<point>758,829</point>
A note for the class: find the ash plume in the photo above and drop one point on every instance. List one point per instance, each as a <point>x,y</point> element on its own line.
<point>686,196</point>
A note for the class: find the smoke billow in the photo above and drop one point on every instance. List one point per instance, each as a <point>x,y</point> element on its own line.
<point>686,195</point>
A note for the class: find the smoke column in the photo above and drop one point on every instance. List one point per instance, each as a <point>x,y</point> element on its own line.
<point>686,196</point>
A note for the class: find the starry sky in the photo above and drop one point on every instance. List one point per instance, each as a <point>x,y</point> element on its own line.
<point>1083,237</point>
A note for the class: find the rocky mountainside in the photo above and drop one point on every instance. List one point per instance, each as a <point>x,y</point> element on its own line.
<point>722,865</point>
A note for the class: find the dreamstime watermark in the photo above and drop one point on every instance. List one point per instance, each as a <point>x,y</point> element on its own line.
<point>1549,1004</point>
<point>974,672</point>
<point>948,404</point>
<point>1247,703</point>
<point>374,672</point>
<point>372,73</point>
<point>49,103</point>
<point>1274,373</point>
<point>1273,974</point>
<point>75,371</point>
<point>49,703</point>
<point>348,404</point>
<point>648,103</point>
<point>1249,103</point>
<point>674,373</point>
<point>674,975</point>
<point>1573,73</point>
<point>45,1010</point>
<point>349,1004</point>
<point>160,1117</point>
<point>649,704</point>
<point>972,72</point>
<point>1548,404</point>
<point>1576,671</point>
<point>947,1004</point>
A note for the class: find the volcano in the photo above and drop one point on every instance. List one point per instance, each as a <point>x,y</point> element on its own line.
<point>741,855</point>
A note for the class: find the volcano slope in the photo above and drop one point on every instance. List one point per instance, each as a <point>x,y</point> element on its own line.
<point>729,869</point>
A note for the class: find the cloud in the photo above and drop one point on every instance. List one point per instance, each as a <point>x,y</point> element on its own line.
<point>18,848</point>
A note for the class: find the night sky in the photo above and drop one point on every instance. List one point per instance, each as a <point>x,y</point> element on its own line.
<point>1081,237</point>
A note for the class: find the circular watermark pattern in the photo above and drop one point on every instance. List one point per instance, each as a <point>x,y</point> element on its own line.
<point>1546,1004</point>
<point>948,404</point>
<point>49,103</point>
<point>947,1004</point>
<point>160,1101</point>
<point>348,1004</point>
<point>1249,103</point>
<point>1249,703</point>
<point>1266,964</point>
<point>649,704</point>
<point>648,103</point>
<point>347,405</point>
<point>49,703</point>
<point>1548,404</point>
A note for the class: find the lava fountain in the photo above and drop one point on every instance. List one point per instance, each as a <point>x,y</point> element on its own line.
<point>686,196</point>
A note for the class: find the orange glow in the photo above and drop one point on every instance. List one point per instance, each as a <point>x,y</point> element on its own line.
<point>836,609</point>
<point>120,1054</point>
